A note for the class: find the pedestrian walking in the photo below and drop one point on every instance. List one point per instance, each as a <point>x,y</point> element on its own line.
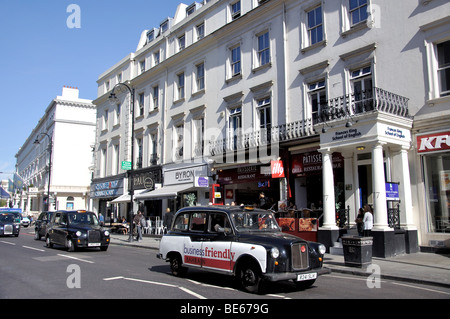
<point>138,222</point>
<point>368,220</point>
<point>167,220</point>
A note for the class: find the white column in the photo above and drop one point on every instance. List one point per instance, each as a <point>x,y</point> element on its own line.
<point>329,206</point>
<point>401,174</point>
<point>379,189</point>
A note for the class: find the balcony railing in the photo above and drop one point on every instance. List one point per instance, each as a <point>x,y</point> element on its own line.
<point>375,100</point>
<point>263,137</point>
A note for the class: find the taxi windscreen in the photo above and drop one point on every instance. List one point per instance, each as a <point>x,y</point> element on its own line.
<point>85,218</point>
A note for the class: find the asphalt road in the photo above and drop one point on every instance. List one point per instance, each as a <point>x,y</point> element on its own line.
<point>29,270</point>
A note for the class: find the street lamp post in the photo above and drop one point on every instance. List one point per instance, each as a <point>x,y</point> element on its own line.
<point>50,148</point>
<point>113,97</point>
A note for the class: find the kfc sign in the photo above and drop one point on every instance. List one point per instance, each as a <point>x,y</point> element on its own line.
<point>433,142</point>
<point>277,169</point>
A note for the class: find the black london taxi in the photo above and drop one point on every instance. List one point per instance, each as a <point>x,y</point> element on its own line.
<point>76,229</point>
<point>40,226</point>
<point>240,241</point>
<point>9,225</point>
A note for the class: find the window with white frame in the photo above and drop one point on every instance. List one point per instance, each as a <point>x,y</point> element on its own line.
<point>234,126</point>
<point>235,9</point>
<point>358,11</point>
<point>156,58</point>
<point>105,120</point>
<point>200,31</point>
<point>315,25</point>
<point>235,60</point>
<point>142,66</point>
<point>180,86</point>
<point>178,141</point>
<point>117,111</point>
<point>199,127</point>
<point>443,59</point>
<point>115,160</point>
<point>155,97</point>
<point>264,112</point>
<point>181,42</point>
<point>200,77</point>
<point>153,148</point>
<point>317,98</point>
<point>141,101</point>
<point>140,152</point>
<point>263,50</point>
<point>103,161</point>
<point>119,77</point>
<point>362,87</point>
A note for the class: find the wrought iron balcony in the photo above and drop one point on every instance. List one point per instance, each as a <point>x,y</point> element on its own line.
<point>373,100</point>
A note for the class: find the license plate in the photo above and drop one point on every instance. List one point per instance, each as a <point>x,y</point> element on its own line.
<point>94,244</point>
<point>303,277</point>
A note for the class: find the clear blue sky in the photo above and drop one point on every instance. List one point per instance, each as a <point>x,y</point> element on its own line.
<point>40,54</point>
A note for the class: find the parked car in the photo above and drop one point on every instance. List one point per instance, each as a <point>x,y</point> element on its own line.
<point>40,226</point>
<point>76,229</point>
<point>240,241</point>
<point>8,224</point>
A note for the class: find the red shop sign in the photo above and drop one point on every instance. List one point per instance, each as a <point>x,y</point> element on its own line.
<point>433,142</point>
<point>277,169</point>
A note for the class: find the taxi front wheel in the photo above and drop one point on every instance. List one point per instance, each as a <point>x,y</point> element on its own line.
<point>250,278</point>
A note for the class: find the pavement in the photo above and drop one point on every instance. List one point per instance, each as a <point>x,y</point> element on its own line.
<point>423,268</point>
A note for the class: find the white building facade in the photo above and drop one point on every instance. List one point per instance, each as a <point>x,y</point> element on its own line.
<point>66,132</point>
<point>340,92</point>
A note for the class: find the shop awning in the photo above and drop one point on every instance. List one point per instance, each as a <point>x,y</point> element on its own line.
<point>165,192</point>
<point>125,198</point>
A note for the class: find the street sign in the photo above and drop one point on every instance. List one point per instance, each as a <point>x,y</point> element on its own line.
<point>126,165</point>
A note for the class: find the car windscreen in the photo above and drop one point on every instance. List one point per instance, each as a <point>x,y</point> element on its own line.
<point>7,218</point>
<point>255,222</point>
<point>82,218</point>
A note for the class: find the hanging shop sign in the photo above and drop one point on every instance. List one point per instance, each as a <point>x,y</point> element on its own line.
<point>435,142</point>
<point>107,189</point>
<point>277,169</point>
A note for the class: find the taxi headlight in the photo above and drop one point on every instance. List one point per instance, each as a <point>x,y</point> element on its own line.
<point>106,233</point>
<point>322,249</point>
<point>78,233</point>
<point>274,252</point>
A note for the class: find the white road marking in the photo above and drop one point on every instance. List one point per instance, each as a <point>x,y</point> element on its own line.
<point>7,242</point>
<point>427,289</point>
<point>159,284</point>
<point>79,259</point>
<point>33,248</point>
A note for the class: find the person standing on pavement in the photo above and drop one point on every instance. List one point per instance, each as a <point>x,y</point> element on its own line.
<point>359,222</point>
<point>167,221</point>
<point>368,220</point>
<point>138,223</point>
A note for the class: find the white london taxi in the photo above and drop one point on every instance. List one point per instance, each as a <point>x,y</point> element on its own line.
<point>240,241</point>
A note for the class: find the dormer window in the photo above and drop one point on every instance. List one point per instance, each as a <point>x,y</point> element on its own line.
<point>164,26</point>
<point>150,36</point>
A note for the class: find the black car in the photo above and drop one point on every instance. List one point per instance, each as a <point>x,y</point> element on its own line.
<point>40,226</point>
<point>76,229</point>
<point>9,225</point>
<point>240,241</point>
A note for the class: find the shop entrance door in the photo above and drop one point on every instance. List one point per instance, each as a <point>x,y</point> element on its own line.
<point>365,184</point>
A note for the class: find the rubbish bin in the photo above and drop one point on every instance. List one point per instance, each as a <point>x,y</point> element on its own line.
<point>357,251</point>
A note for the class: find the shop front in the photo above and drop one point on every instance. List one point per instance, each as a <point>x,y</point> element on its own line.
<point>248,185</point>
<point>184,185</point>
<point>374,150</point>
<point>103,192</point>
<point>433,150</point>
